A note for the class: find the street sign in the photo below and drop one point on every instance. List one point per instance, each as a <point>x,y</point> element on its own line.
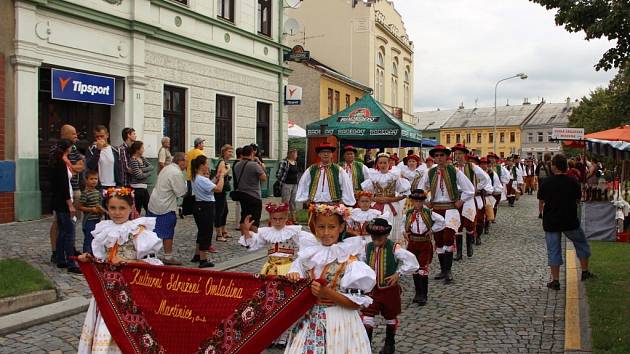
<point>297,54</point>
<point>567,133</point>
<point>82,87</point>
<point>292,95</point>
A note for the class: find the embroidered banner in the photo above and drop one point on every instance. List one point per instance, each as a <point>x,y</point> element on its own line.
<point>161,309</point>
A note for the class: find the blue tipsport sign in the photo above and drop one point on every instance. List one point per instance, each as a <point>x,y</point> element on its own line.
<point>81,87</point>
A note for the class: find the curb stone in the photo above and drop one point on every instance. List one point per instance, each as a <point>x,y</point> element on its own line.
<point>38,315</point>
<point>13,304</point>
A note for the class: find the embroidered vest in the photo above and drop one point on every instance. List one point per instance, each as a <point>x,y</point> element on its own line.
<point>491,174</point>
<point>514,175</point>
<point>469,171</point>
<point>416,180</point>
<point>388,191</point>
<point>425,214</point>
<point>451,181</point>
<point>332,177</point>
<point>357,174</point>
<point>287,247</point>
<point>387,263</point>
<point>499,171</point>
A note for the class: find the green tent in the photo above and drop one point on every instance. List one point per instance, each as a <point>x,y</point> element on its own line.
<point>367,124</point>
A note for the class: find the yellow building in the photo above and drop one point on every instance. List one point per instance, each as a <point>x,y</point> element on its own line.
<point>475,127</point>
<point>324,91</point>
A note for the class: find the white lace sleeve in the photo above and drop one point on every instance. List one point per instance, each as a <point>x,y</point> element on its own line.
<point>254,243</point>
<point>297,267</point>
<point>146,243</point>
<point>407,262</point>
<point>358,277</point>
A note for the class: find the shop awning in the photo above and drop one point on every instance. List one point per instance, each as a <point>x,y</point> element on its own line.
<point>621,133</point>
<point>605,142</point>
<point>368,124</point>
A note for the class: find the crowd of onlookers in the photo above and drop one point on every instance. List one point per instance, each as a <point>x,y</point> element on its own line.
<point>187,183</point>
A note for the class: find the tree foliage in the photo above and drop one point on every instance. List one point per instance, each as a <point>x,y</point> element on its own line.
<point>597,18</point>
<point>605,108</point>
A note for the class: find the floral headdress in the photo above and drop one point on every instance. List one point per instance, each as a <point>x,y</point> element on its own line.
<point>117,191</point>
<point>277,208</point>
<point>360,194</point>
<point>327,210</point>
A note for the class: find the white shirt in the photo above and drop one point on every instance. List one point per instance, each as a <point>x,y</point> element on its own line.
<point>106,167</point>
<point>483,180</point>
<point>322,194</point>
<point>465,187</point>
<point>497,185</point>
<point>348,168</point>
<point>419,227</point>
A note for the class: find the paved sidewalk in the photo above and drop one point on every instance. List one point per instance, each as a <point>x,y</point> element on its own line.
<point>497,304</point>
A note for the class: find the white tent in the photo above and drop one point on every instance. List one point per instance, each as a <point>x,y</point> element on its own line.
<point>295,131</point>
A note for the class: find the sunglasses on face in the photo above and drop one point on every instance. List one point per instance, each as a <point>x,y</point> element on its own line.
<point>439,155</point>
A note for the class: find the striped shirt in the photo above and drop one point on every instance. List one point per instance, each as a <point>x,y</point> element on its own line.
<point>90,199</point>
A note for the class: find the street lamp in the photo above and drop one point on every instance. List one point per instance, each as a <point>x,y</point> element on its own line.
<point>422,137</point>
<point>522,76</point>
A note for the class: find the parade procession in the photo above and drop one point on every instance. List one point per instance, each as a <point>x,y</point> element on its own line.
<point>314,176</point>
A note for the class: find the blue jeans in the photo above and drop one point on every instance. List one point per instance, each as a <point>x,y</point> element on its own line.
<point>554,245</point>
<point>65,239</point>
<point>88,227</point>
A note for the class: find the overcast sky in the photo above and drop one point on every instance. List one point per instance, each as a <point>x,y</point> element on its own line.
<point>463,47</point>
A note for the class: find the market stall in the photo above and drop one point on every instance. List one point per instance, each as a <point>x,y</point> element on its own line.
<point>365,124</point>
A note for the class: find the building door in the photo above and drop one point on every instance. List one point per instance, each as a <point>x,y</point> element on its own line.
<point>175,117</point>
<point>55,113</point>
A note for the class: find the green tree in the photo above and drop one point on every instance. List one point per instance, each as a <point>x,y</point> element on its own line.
<point>605,108</point>
<point>597,18</point>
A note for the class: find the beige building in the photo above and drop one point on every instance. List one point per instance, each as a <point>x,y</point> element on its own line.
<point>364,40</point>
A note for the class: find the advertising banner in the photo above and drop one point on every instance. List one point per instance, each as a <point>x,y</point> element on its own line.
<point>81,87</point>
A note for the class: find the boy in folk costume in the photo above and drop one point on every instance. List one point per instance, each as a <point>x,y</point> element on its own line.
<point>480,181</point>
<point>481,195</point>
<point>356,171</point>
<point>515,181</point>
<point>504,177</point>
<point>325,182</point>
<point>389,260</point>
<point>450,189</point>
<point>360,216</point>
<point>497,189</point>
<point>529,176</point>
<point>420,224</point>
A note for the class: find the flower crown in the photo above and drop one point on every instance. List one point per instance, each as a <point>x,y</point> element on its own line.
<point>360,194</point>
<point>118,191</point>
<point>276,208</point>
<point>328,210</point>
<point>383,154</point>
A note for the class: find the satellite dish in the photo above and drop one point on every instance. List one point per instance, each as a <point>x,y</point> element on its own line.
<point>291,27</point>
<point>294,4</point>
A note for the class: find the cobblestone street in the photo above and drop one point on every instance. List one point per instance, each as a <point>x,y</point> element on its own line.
<point>498,302</point>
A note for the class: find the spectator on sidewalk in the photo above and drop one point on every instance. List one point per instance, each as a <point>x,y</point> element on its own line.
<point>288,174</point>
<point>90,203</point>
<point>63,205</point>
<point>169,186</point>
<point>221,205</point>
<point>189,199</point>
<point>164,154</point>
<point>141,170</point>
<point>248,174</point>
<point>128,136</point>
<point>77,167</point>
<point>237,206</point>
<point>560,195</point>
<point>104,158</point>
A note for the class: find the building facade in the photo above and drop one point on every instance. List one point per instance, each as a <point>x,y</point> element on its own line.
<point>537,131</point>
<point>324,91</point>
<point>180,68</point>
<point>377,51</point>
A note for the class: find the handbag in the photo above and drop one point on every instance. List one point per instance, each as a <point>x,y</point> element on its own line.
<point>489,212</point>
<point>277,189</point>
<point>237,195</point>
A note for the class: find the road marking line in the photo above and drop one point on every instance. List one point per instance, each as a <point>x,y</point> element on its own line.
<point>572,327</point>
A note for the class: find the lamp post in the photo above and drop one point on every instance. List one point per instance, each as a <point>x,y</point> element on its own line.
<point>522,76</point>
<point>422,137</point>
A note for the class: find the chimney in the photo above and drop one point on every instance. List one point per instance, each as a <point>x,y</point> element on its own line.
<point>568,101</point>
<point>526,101</point>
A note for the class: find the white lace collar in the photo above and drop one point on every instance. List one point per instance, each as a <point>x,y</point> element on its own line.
<point>109,232</point>
<point>319,255</point>
<point>273,235</point>
<point>360,215</point>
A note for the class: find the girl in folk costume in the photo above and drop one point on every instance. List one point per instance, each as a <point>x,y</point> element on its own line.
<point>388,189</point>
<point>340,282</point>
<point>359,217</point>
<point>413,173</point>
<point>116,241</point>
<point>497,188</point>
<point>420,224</point>
<point>282,240</point>
<point>390,261</point>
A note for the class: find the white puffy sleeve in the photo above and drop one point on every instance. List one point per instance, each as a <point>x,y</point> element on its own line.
<point>467,190</point>
<point>147,242</point>
<point>305,239</point>
<point>255,242</point>
<point>407,262</point>
<point>358,279</point>
<point>298,267</point>
<point>498,186</point>
<point>424,182</point>
<point>367,184</point>
<point>403,187</point>
<point>483,178</point>
<point>347,189</point>
<point>438,222</point>
<point>366,172</point>
<point>301,194</point>
<point>505,174</point>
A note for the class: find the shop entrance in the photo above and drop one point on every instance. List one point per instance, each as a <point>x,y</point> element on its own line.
<point>55,113</point>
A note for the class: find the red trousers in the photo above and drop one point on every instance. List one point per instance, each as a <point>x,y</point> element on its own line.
<point>386,301</point>
<point>424,254</point>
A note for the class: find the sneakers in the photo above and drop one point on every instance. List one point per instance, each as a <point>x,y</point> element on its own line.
<point>588,275</point>
<point>554,285</point>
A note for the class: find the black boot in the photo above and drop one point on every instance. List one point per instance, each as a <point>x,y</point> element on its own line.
<point>369,330</point>
<point>448,265</point>
<point>478,239</point>
<point>469,244</point>
<point>442,273</point>
<point>424,290</point>
<point>486,227</point>
<point>459,243</point>
<point>417,286</point>
<point>390,340</point>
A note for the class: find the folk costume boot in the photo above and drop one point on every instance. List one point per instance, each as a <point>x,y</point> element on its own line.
<point>424,290</point>
<point>418,287</point>
<point>390,340</point>
<point>448,265</point>
<point>486,227</point>
<point>369,330</point>
<point>470,239</point>
<point>459,243</point>
<point>442,273</point>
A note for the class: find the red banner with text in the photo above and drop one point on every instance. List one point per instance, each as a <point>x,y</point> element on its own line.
<point>161,309</point>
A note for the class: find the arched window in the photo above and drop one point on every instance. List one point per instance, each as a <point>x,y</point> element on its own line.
<point>406,76</point>
<point>394,69</point>
<point>406,98</point>
<point>381,86</point>
<point>379,60</point>
<point>394,91</point>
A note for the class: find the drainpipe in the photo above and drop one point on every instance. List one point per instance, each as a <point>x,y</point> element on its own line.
<point>280,80</point>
